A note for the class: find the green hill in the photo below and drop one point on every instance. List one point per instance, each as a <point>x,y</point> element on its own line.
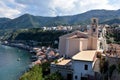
<point>112,21</point>
<point>31,21</point>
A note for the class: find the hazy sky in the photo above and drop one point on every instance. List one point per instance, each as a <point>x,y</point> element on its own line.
<point>15,8</point>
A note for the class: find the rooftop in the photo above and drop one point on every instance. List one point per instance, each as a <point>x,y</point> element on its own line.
<point>64,62</point>
<point>75,34</point>
<point>117,46</point>
<point>85,55</point>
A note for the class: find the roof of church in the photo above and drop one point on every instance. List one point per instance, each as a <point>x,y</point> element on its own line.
<point>76,34</point>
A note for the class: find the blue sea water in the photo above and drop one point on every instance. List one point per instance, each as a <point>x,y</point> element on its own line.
<point>10,67</point>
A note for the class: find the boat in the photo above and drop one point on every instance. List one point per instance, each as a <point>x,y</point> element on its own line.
<point>18,59</point>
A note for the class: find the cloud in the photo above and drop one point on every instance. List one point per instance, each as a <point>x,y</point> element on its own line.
<point>10,9</point>
<point>6,11</point>
<point>14,8</point>
<point>37,7</point>
<point>64,7</point>
<point>80,6</point>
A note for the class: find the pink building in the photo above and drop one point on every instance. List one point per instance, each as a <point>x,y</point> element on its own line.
<point>77,41</point>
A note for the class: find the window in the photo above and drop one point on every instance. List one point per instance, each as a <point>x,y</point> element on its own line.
<point>86,67</point>
<point>84,78</point>
<point>94,30</point>
<point>75,77</point>
<point>94,20</point>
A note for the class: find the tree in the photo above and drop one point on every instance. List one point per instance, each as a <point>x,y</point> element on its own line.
<point>118,68</point>
<point>54,76</point>
<point>103,65</point>
<point>46,68</point>
<point>111,69</point>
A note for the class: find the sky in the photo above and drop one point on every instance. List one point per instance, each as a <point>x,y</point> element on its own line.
<point>15,8</point>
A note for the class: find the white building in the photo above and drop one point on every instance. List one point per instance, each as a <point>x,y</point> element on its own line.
<point>83,65</point>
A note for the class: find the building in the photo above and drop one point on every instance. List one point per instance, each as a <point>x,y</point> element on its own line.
<point>78,50</point>
<point>77,41</point>
<point>63,66</point>
<point>83,65</point>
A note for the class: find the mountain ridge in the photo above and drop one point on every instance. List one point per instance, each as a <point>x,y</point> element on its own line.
<point>31,21</point>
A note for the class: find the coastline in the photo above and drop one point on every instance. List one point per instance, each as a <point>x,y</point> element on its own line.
<point>22,47</point>
<point>39,55</point>
<point>18,45</point>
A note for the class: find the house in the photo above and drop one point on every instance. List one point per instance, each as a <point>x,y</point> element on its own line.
<point>63,66</point>
<point>78,51</point>
<point>83,65</point>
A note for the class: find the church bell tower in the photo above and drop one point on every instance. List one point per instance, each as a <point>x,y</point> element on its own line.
<point>94,34</point>
<point>94,27</point>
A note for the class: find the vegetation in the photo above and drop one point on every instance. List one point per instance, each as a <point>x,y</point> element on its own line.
<point>41,72</point>
<point>34,74</point>
<point>111,69</point>
<point>3,20</point>
<point>45,68</point>
<point>112,21</point>
<point>54,76</point>
<point>41,37</point>
<point>118,67</point>
<point>113,37</point>
<point>103,65</point>
<point>110,38</point>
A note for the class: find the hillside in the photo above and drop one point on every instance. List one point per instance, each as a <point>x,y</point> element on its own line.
<point>34,34</point>
<point>2,20</point>
<point>112,21</point>
<point>31,21</point>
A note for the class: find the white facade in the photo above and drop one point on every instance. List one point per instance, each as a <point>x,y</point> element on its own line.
<point>79,69</point>
<point>82,64</point>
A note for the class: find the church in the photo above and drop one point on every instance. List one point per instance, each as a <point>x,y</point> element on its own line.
<point>78,50</point>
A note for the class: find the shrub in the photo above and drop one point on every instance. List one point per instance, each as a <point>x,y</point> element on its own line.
<point>111,69</point>
<point>34,74</point>
<point>54,76</point>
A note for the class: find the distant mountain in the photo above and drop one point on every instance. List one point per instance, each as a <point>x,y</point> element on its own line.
<point>112,21</point>
<point>31,21</point>
<point>2,20</point>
